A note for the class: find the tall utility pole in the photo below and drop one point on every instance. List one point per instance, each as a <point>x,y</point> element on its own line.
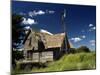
<point>67,45</point>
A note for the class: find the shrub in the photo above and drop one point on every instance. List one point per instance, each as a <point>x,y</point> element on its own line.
<point>83,49</point>
<point>72,50</point>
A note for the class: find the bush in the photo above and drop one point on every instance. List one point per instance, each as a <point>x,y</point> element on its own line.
<point>16,55</point>
<point>72,50</point>
<point>83,49</point>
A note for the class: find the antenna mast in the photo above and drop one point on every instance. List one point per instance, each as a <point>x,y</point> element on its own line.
<point>67,45</point>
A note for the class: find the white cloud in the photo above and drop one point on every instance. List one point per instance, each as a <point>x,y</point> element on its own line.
<point>83,36</point>
<point>76,39</point>
<point>40,12</point>
<point>30,14</point>
<point>50,11</point>
<point>45,31</point>
<point>92,42</point>
<point>28,21</point>
<point>92,28</point>
<point>35,13</point>
<point>90,25</point>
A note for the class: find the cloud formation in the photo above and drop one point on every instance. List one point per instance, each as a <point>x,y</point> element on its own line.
<point>83,36</point>
<point>76,39</point>
<point>40,12</point>
<point>28,21</point>
<point>90,25</point>
<point>92,29</point>
<point>92,42</point>
<point>50,11</point>
<point>35,13</point>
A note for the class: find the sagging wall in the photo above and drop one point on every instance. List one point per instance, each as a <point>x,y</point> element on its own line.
<point>43,56</point>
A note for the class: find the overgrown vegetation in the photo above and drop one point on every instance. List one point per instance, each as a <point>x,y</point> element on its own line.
<point>16,55</point>
<point>78,61</point>
<point>79,50</point>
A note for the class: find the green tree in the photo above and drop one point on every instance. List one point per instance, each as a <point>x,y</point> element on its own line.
<point>16,20</point>
<point>83,49</point>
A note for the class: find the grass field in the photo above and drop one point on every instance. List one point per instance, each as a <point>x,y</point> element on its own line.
<point>79,61</point>
<point>69,62</point>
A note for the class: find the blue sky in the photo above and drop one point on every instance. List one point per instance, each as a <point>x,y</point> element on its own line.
<point>80,20</point>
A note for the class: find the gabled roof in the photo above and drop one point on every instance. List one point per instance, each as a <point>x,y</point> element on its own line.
<point>50,41</point>
<point>53,41</point>
<point>31,42</point>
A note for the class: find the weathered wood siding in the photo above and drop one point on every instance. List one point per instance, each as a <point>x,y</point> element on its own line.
<point>48,56</point>
<point>35,57</point>
<point>31,42</point>
<point>45,56</point>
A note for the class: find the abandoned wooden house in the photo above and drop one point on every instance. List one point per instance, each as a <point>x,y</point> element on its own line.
<point>42,47</point>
